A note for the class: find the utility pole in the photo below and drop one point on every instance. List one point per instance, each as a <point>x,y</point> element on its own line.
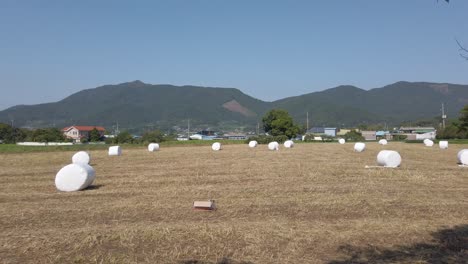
<point>188,128</point>
<point>307,126</point>
<point>258,128</point>
<point>117,131</point>
<point>444,116</point>
<point>13,128</point>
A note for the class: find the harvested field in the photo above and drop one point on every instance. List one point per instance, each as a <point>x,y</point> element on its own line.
<point>315,203</point>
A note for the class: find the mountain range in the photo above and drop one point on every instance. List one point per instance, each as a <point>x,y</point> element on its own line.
<point>139,106</point>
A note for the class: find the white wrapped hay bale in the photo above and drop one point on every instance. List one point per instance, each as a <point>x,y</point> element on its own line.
<point>153,147</point>
<point>253,144</point>
<point>383,142</point>
<point>443,144</point>
<point>74,177</point>
<point>341,141</point>
<point>428,143</point>
<point>216,146</point>
<point>273,145</point>
<point>81,157</point>
<point>389,158</point>
<point>359,147</point>
<point>463,157</point>
<point>115,151</point>
<point>288,144</point>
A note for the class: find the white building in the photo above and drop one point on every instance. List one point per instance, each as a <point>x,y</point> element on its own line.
<point>79,132</point>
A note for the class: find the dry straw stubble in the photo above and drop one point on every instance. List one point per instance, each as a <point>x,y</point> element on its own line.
<point>298,206</point>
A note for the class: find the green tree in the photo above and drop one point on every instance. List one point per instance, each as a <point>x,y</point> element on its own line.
<point>47,135</point>
<point>155,136</point>
<point>6,133</point>
<point>452,131</point>
<point>123,137</point>
<point>170,137</point>
<point>94,135</point>
<point>457,129</point>
<point>10,135</point>
<point>353,135</point>
<point>20,134</point>
<point>278,122</point>
<point>463,125</point>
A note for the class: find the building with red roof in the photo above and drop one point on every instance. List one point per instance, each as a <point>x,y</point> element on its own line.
<point>77,133</point>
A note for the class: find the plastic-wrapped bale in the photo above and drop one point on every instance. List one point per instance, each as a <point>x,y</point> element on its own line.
<point>463,157</point>
<point>216,146</point>
<point>426,140</point>
<point>389,158</point>
<point>81,157</point>
<point>153,147</point>
<point>341,141</point>
<point>288,144</point>
<point>428,143</point>
<point>74,177</point>
<point>443,144</point>
<point>383,142</point>
<point>115,151</point>
<point>359,147</point>
<point>273,145</point>
<point>253,144</point>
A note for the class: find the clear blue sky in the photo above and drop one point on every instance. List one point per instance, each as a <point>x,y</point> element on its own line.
<point>268,49</point>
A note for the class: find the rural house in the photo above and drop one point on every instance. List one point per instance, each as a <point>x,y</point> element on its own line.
<point>328,131</point>
<point>79,132</point>
<point>369,135</point>
<point>235,136</point>
<point>418,133</point>
<point>384,134</point>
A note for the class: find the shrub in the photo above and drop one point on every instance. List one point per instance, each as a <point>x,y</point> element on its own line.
<point>155,136</point>
<point>399,137</point>
<point>353,135</point>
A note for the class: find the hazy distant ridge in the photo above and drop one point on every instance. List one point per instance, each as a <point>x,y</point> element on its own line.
<point>144,106</point>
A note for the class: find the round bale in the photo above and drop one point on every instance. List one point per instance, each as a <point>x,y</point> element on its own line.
<point>81,157</point>
<point>74,177</point>
<point>253,144</point>
<point>288,144</point>
<point>428,143</point>
<point>341,141</point>
<point>153,147</point>
<point>273,145</point>
<point>389,158</point>
<point>359,147</point>
<point>115,151</point>
<point>383,142</point>
<point>216,146</point>
<point>463,156</point>
<point>443,144</point>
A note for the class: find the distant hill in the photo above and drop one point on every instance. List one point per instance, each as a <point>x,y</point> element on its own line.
<point>395,103</point>
<point>139,106</point>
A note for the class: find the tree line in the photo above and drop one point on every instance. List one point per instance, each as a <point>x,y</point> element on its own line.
<point>277,124</point>
<point>11,135</point>
<point>456,129</point>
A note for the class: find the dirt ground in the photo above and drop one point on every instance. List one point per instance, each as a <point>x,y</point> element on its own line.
<point>314,203</point>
